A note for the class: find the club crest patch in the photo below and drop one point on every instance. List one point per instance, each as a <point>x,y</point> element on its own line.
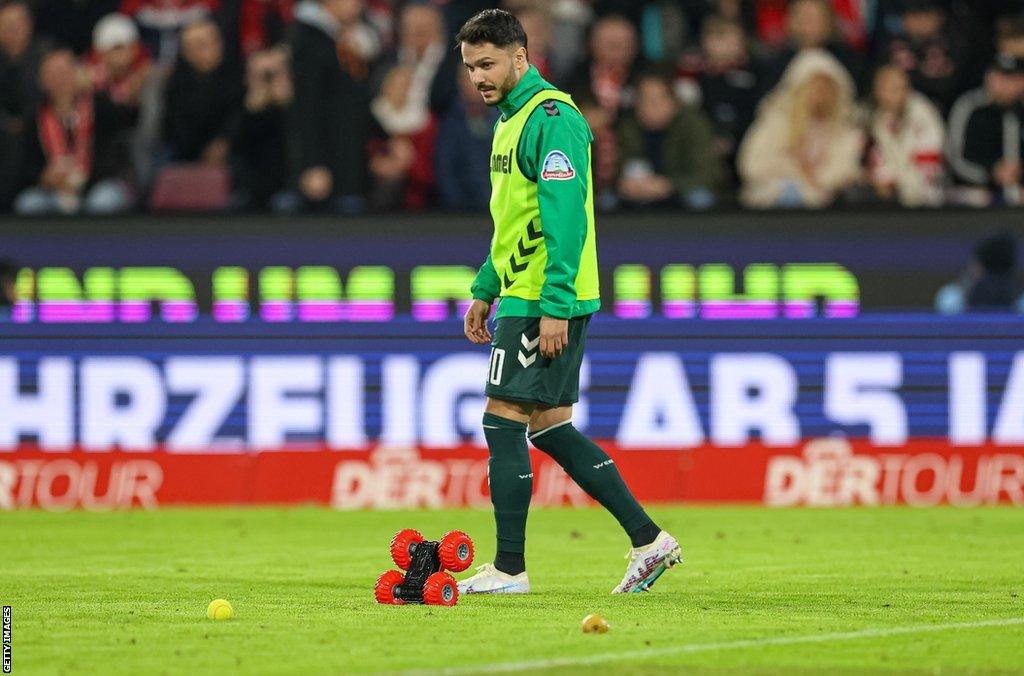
<point>557,167</point>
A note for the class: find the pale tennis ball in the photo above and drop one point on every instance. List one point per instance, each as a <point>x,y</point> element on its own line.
<point>219,609</point>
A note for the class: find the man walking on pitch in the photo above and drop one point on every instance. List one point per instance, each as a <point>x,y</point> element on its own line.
<point>543,266</point>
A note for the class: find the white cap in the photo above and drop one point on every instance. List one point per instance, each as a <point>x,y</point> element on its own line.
<point>114,30</point>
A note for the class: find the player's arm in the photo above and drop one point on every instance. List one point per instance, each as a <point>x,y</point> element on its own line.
<point>485,289</point>
<point>560,165</point>
<point>486,286</point>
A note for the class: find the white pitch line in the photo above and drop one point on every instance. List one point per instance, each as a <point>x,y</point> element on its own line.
<point>709,647</point>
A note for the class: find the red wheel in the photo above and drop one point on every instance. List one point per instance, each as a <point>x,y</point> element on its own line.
<point>402,545</point>
<point>456,551</point>
<point>386,588</point>
<point>440,589</point>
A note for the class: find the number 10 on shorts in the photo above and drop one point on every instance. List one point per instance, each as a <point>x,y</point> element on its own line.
<point>497,365</point>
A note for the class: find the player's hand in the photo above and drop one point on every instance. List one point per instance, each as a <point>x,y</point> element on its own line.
<point>554,336</point>
<point>475,322</point>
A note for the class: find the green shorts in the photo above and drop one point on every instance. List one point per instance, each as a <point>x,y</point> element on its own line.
<point>518,372</point>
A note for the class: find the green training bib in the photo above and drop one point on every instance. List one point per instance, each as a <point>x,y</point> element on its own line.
<point>518,251</point>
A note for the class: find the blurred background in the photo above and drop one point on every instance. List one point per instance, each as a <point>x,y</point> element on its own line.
<point>362,106</point>
<point>237,237</point>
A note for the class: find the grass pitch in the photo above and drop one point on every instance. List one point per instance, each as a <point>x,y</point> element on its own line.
<point>761,591</point>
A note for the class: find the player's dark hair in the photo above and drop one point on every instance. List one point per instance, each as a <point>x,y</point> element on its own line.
<point>500,28</point>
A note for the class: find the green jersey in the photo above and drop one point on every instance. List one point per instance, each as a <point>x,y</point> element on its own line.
<point>543,258</point>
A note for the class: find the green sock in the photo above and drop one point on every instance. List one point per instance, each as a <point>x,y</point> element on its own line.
<point>510,477</point>
<point>595,472</point>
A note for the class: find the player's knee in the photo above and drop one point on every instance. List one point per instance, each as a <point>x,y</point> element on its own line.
<point>544,418</point>
<point>512,410</point>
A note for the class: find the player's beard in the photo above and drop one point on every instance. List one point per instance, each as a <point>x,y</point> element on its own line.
<point>507,85</point>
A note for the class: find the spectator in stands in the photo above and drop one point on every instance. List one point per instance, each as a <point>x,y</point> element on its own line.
<point>20,54</point>
<point>930,51</point>
<point>402,146</point>
<point>421,48</point>
<point>463,142</point>
<point>885,22</point>
<point>851,22</point>
<point>979,25</point>
<point>804,147</point>
<point>260,158</point>
<point>604,150</point>
<point>70,23</point>
<point>990,283</point>
<point>984,146</point>
<point>8,286</point>
<point>260,24</point>
<point>737,11</point>
<point>906,139</point>
<point>769,19</point>
<point>118,65</point>
<point>811,24</point>
<point>666,150</point>
<point>996,286</point>
<point>1010,36</point>
<point>77,158</point>
<point>608,73</point>
<point>331,50</point>
<point>536,20</point>
<point>721,81</point>
<point>668,30</point>
<point>163,21</point>
<point>570,21</point>
<point>203,99</point>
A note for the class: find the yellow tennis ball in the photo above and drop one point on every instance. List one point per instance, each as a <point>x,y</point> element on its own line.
<point>219,609</point>
<point>594,624</point>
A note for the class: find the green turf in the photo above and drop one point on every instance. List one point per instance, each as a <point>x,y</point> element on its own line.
<point>127,592</point>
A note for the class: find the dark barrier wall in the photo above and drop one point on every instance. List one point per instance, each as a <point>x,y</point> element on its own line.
<point>885,260</point>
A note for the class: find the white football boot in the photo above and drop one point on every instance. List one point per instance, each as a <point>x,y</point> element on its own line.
<point>490,580</point>
<point>647,563</point>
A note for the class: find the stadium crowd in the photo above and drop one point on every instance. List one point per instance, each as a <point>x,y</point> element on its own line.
<point>342,106</point>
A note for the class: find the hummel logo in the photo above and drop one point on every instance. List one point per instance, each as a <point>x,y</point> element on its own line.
<point>525,358</point>
<point>609,461</point>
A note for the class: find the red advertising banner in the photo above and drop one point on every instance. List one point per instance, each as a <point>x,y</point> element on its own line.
<point>821,472</point>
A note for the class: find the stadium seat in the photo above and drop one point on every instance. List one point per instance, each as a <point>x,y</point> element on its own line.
<point>191,187</point>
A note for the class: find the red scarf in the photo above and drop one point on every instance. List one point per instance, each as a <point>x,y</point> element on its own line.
<point>69,137</point>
